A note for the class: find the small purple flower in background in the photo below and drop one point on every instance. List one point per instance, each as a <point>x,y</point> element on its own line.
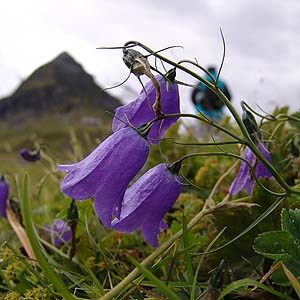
<point>147,201</point>
<point>4,191</point>
<point>107,172</point>
<point>140,111</point>
<point>60,232</point>
<point>244,179</point>
<point>31,156</point>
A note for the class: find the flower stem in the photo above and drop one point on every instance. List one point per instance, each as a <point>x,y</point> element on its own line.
<point>233,111</point>
<point>120,287</point>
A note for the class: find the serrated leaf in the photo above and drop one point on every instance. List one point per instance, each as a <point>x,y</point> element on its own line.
<point>274,244</point>
<point>290,222</point>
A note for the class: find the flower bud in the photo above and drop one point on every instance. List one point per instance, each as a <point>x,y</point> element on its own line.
<point>251,125</point>
<point>31,156</point>
<point>4,191</point>
<point>136,62</point>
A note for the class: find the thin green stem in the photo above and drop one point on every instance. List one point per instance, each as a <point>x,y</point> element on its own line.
<point>193,291</point>
<point>123,285</point>
<point>157,282</point>
<point>266,213</point>
<point>235,156</point>
<point>170,140</point>
<point>200,118</point>
<point>233,111</point>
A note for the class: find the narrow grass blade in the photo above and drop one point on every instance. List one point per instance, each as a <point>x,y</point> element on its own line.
<point>158,283</point>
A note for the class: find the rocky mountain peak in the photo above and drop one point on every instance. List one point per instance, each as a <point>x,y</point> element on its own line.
<point>60,85</point>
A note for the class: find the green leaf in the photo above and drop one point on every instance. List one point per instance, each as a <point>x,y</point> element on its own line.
<point>274,244</point>
<point>290,222</point>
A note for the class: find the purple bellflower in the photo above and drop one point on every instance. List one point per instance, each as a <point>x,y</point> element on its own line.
<point>141,110</point>
<point>4,191</point>
<point>244,179</point>
<point>147,201</point>
<point>31,156</point>
<point>61,232</point>
<point>107,172</point>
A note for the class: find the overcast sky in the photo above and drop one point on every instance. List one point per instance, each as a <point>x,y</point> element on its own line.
<point>263,41</point>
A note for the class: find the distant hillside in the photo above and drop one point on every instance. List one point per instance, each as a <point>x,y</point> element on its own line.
<point>59,86</point>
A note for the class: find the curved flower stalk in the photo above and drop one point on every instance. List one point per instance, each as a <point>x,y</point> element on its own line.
<point>4,191</point>
<point>107,172</point>
<point>61,232</point>
<point>244,179</point>
<point>141,110</point>
<point>147,201</point>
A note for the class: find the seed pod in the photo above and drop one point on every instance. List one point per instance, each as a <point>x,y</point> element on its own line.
<point>136,62</point>
<point>251,125</point>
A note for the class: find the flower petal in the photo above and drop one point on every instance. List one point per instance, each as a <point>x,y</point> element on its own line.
<point>113,162</point>
<point>261,170</point>
<point>244,180</point>
<point>4,191</point>
<point>244,176</point>
<point>140,111</point>
<point>147,201</point>
<point>117,172</point>
<point>60,231</point>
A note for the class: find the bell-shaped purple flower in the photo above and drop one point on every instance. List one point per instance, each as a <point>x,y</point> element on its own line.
<point>31,156</point>
<point>147,201</point>
<point>60,231</point>
<point>244,179</point>
<point>107,172</point>
<point>4,191</point>
<point>141,110</point>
